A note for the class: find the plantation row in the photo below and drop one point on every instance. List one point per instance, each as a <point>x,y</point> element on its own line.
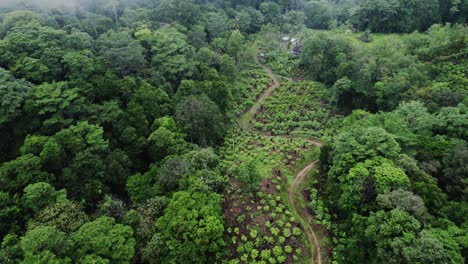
<point>300,108</point>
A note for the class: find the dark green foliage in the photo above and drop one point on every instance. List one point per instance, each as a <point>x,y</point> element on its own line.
<point>13,94</point>
<point>201,119</point>
<point>121,53</point>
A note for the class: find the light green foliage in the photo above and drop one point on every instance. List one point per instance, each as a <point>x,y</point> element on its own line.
<point>234,44</point>
<point>163,142</point>
<point>78,64</point>
<point>38,195</point>
<point>66,216</point>
<point>34,51</point>
<point>56,101</point>
<point>288,111</point>
<point>365,180</point>
<point>140,186</point>
<point>360,144</point>
<point>106,239</point>
<point>192,227</point>
<point>251,84</point>
<point>44,244</point>
<point>418,119</point>
<point>171,54</point>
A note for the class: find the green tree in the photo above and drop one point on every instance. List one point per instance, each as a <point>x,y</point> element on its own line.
<point>404,201</point>
<point>13,93</point>
<point>234,44</point>
<point>171,55</point>
<point>39,195</point>
<point>121,53</point>
<point>18,173</point>
<point>319,14</point>
<point>66,216</point>
<point>248,177</point>
<point>201,119</point>
<point>271,11</point>
<point>216,24</point>
<point>45,244</point>
<point>9,213</point>
<point>105,239</point>
<point>192,227</point>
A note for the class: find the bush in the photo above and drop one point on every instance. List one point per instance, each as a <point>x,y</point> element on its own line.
<point>281,240</point>
<point>253,233</point>
<point>297,231</point>
<point>265,254</point>
<point>277,251</point>
<point>254,253</point>
<point>275,231</point>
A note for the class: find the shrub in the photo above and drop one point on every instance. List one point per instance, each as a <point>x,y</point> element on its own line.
<point>244,257</point>
<point>277,251</point>
<point>281,259</point>
<point>265,254</point>
<point>269,240</point>
<point>241,219</point>
<point>274,231</point>
<point>281,240</point>
<point>253,233</point>
<point>280,223</point>
<point>254,253</point>
<point>240,249</point>
<point>297,231</point>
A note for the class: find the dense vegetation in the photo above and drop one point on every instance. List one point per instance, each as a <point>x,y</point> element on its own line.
<point>119,140</point>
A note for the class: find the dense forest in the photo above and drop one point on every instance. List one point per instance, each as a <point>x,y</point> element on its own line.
<point>233,131</point>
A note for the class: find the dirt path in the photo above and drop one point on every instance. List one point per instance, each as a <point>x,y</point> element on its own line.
<point>294,196</point>
<point>245,120</point>
<point>294,192</point>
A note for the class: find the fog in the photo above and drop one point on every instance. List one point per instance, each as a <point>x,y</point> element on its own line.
<point>38,3</point>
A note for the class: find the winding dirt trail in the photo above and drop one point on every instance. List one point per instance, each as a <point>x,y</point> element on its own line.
<point>294,192</point>
<point>245,120</point>
<point>295,195</point>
